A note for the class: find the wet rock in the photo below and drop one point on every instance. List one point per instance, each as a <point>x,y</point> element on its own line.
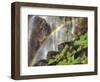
<point>41,63</point>
<point>81,52</point>
<point>41,30</point>
<point>75,47</point>
<point>51,54</point>
<point>62,45</point>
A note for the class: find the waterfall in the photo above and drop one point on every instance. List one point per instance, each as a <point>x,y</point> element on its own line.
<point>59,26</point>
<point>50,44</point>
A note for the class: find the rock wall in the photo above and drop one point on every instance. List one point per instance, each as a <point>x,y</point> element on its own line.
<point>40,30</point>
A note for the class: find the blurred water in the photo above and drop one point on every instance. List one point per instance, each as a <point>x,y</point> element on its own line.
<point>58,35</point>
<point>51,43</point>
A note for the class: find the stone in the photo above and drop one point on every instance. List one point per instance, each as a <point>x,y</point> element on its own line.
<point>40,32</point>
<point>51,54</point>
<point>62,45</point>
<point>80,53</point>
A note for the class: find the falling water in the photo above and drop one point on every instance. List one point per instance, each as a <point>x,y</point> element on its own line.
<point>57,36</point>
<point>51,43</point>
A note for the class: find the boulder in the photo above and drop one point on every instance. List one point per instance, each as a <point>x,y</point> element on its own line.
<point>41,30</point>
<point>51,54</point>
<point>62,45</point>
<point>80,53</point>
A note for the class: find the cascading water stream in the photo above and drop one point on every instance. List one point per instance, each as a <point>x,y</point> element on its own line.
<point>61,32</point>
<point>50,44</point>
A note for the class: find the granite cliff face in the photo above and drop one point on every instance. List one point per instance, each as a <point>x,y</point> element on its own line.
<point>40,30</point>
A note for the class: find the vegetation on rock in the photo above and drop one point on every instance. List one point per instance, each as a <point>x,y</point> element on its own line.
<point>76,53</point>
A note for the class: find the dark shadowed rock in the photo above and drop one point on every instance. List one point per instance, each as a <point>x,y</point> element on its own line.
<point>41,63</point>
<point>51,54</point>
<point>81,52</point>
<point>75,47</point>
<point>62,45</point>
<point>40,32</point>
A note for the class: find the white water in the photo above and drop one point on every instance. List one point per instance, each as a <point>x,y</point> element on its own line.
<point>57,36</point>
<point>51,44</point>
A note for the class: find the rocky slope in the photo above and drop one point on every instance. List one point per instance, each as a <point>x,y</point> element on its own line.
<point>74,52</point>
